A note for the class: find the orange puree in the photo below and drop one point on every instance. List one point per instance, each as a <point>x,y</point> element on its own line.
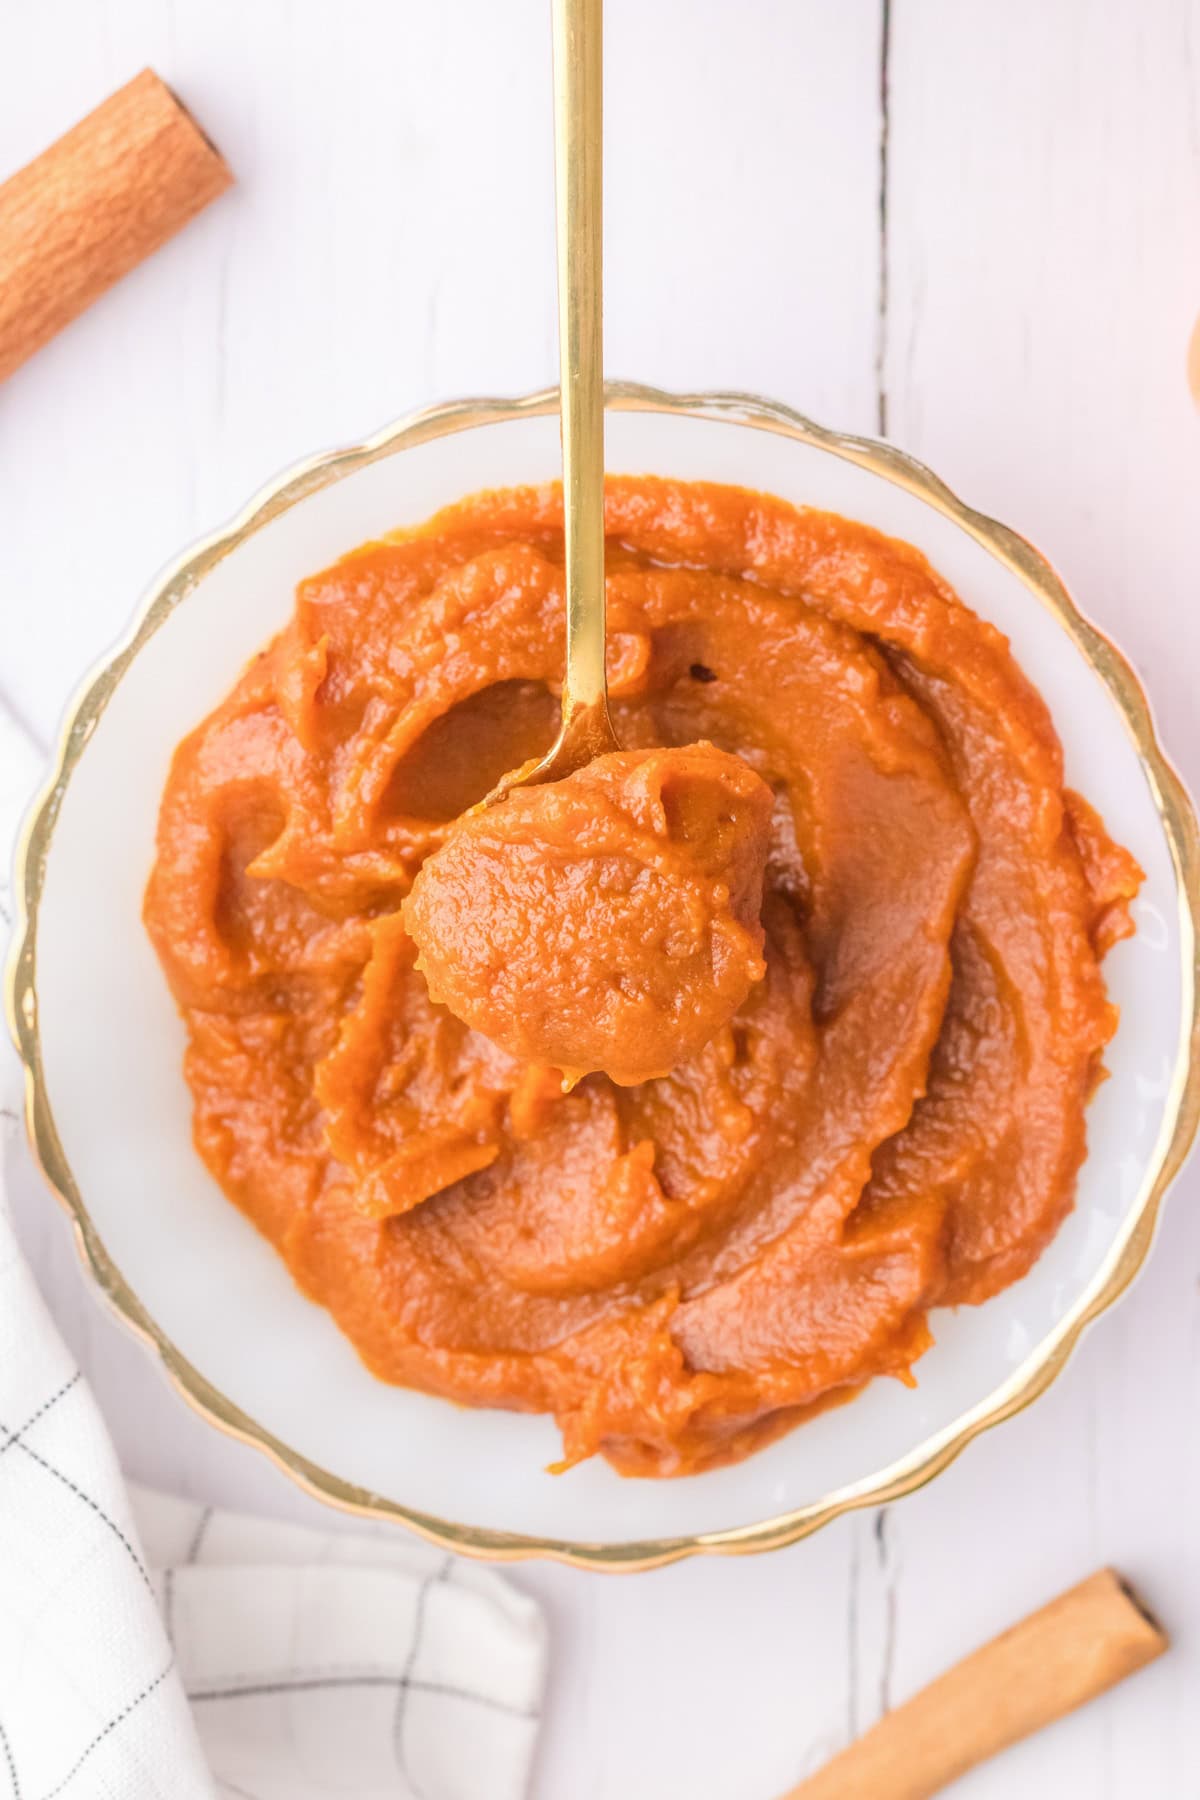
<point>890,1119</point>
<point>609,921</point>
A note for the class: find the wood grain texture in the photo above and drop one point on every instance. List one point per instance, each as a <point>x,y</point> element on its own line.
<point>385,247</point>
<point>94,205</point>
<point>1068,1652</point>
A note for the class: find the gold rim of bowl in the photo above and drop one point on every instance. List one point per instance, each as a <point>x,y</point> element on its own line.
<point>930,1458</point>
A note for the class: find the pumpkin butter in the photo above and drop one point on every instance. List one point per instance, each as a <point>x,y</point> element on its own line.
<point>819,950</point>
<point>607,922</point>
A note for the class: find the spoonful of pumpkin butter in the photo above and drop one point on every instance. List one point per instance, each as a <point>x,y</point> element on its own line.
<point>600,910</point>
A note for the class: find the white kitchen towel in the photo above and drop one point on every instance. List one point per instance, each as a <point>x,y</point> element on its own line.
<point>91,1705</point>
<point>316,1664</point>
<point>320,1663</point>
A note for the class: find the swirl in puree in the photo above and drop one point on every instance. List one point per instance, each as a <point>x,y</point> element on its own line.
<point>818,954</point>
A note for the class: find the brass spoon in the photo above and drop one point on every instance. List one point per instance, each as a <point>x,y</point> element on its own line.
<point>586,730</point>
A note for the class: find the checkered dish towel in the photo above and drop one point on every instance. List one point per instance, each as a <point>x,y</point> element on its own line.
<point>371,1668</point>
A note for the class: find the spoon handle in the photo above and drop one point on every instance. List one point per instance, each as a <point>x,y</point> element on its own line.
<point>578,169</point>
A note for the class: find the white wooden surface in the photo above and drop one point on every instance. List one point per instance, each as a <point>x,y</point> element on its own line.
<point>389,243</point>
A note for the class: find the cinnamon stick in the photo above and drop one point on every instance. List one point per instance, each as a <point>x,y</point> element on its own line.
<point>1057,1659</point>
<point>93,205</point>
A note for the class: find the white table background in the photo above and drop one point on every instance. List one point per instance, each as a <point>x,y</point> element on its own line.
<point>999,266</point>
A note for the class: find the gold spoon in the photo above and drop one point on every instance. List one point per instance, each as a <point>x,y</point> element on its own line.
<point>586,730</point>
